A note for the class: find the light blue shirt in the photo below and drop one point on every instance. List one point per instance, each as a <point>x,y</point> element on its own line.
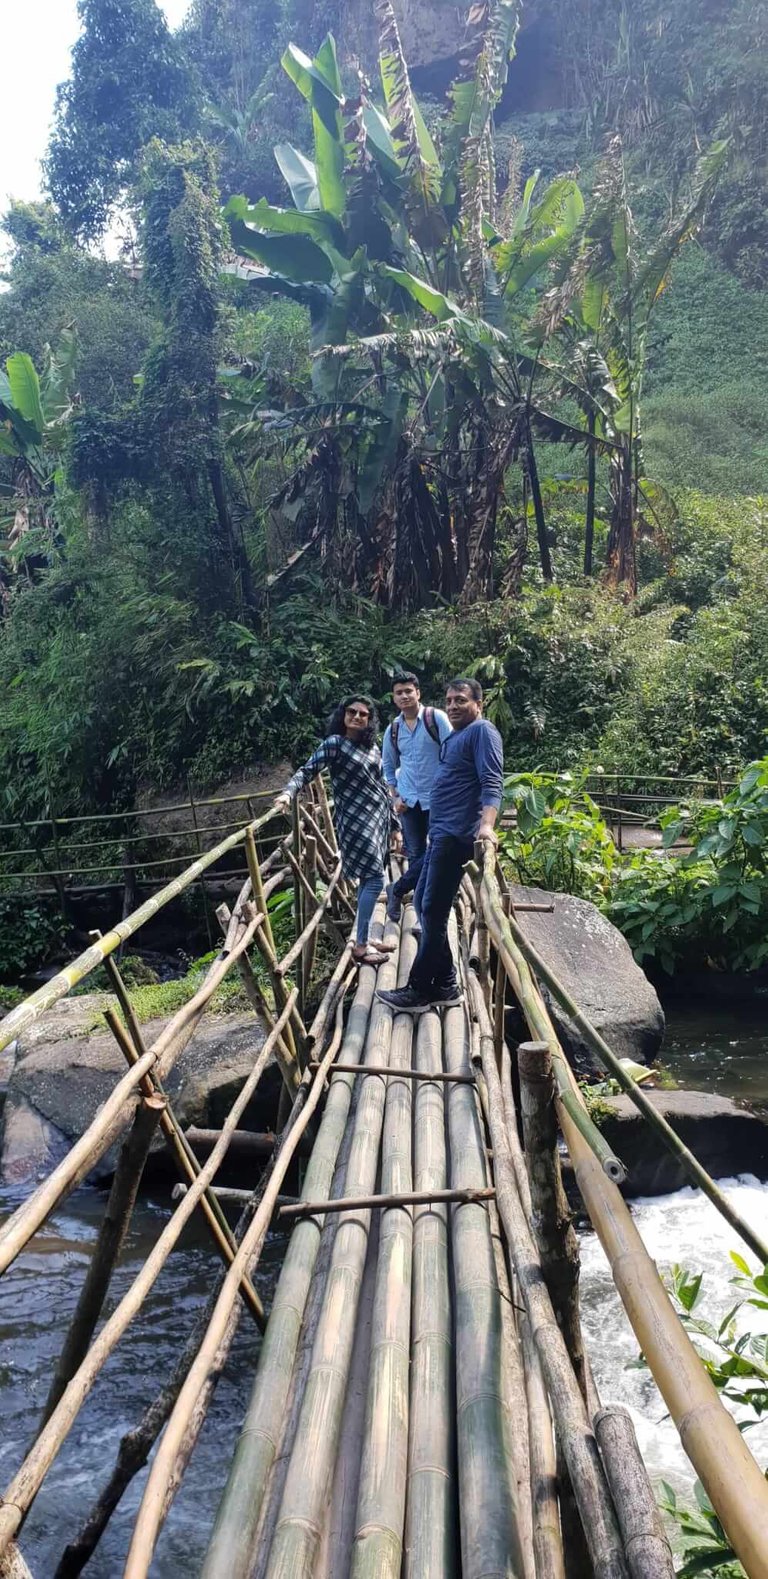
<point>419,756</point>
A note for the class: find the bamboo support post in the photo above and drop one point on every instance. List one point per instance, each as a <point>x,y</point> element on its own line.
<point>231,1549</point>
<point>377,1551</point>
<point>645,1543</point>
<point>295,1030</point>
<point>517,1446</point>
<point>490,1531</point>
<point>295,955</point>
<point>712,1440</point>
<point>431,1537</point>
<point>696,1173</point>
<point>299,917</point>
<point>189,1167</point>
<point>331,875</point>
<point>325,813</point>
<point>286,1059</point>
<point>26,1483</point>
<point>14,1566</point>
<point>163,1475</point>
<point>114,1226</point>
<point>555,1235</point>
<point>571,1419</point>
<point>310,946</point>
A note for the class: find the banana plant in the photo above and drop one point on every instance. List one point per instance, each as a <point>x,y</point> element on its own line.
<point>421,396</point>
<point>34,412</point>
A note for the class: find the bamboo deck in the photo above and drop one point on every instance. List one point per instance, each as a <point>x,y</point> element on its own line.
<point>423,1407</point>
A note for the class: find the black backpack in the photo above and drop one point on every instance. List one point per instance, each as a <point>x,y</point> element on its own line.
<point>430,724</point>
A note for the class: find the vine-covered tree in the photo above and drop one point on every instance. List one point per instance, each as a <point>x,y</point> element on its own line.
<point>130,82</point>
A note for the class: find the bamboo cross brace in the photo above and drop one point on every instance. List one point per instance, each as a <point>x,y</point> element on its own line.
<point>399,1074</point>
<point>306,887</point>
<point>284,1054</point>
<point>365,1203</point>
<point>295,953</point>
<point>312,896</point>
<point>295,1030</point>
<point>187,1162</point>
<point>26,1483</point>
<point>114,1114</point>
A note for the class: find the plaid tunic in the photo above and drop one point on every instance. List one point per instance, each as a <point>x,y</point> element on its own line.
<point>362,810</point>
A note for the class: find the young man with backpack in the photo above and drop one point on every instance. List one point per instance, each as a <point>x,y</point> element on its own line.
<point>410,754</point>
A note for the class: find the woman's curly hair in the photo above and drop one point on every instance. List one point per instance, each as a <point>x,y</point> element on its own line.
<point>335,724</point>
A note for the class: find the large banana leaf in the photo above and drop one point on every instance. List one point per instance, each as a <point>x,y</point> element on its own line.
<point>544,236</point>
<point>322,227</point>
<point>300,174</point>
<point>440,306</point>
<point>381,141</point>
<point>319,82</point>
<point>413,145</point>
<point>25,390</point>
<point>294,257</point>
<point>61,363</point>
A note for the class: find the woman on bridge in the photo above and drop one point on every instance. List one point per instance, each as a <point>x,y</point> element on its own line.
<point>363,815</point>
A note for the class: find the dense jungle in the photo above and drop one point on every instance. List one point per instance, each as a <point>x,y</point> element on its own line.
<point>345,342</point>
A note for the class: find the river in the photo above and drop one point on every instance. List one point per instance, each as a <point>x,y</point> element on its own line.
<point>40,1290</point>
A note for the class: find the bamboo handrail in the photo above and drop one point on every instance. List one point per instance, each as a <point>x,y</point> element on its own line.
<point>27,1481</point>
<point>113,1114</point>
<point>61,984</point>
<point>696,1173</point>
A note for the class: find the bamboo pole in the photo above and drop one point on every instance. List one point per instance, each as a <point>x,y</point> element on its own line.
<point>295,1030</point>
<point>547,1537</point>
<point>289,1068</point>
<point>189,1167</point>
<point>111,1236</point>
<point>431,1536</point>
<point>325,812</point>
<point>163,1473</point>
<point>517,1446</point>
<point>27,1481</point>
<point>298,898</point>
<point>310,1470</point>
<point>33,1006</point>
<point>14,1566</point>
<point>231,1548</point>
<point>489,1522</point>
<point>552,1226</point>
<point>378,1540</point>
<point>696,1173</point>
<point>645,1543</point>
<point>372,1203</point>
<point>332,878</point>
<point>436,1078</point>
<point>310,946</point>
<point>295,955</point>
<point>571,1419</point>
<point>736,1488</point>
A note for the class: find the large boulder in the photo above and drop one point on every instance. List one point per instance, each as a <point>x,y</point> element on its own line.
<point>726,1139</point>
<point>65,1068</point>
<point>596,965</point>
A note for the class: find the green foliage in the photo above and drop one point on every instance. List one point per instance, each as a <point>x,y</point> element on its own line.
<point>29,929</point>
<point>736,1358</point>
<point>129,83</point>
<point>561,842</point>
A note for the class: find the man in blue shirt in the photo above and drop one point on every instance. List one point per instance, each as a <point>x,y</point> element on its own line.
<point>410,753</point>
<point>464,804</point>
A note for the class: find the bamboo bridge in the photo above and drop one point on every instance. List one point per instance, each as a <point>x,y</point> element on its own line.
<point>422,1404</point>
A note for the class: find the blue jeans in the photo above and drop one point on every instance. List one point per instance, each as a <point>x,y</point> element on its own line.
<point>368,892</point>
<point>433,969</point>
<point>415,822</point>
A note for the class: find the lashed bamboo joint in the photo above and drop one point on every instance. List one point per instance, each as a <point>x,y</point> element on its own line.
<point>422,1405</point>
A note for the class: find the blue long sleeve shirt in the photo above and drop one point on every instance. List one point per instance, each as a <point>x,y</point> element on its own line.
<point>468,777</point>
<point>419,758</point>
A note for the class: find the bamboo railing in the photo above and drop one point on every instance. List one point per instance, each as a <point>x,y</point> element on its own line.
<point>423,1405</point>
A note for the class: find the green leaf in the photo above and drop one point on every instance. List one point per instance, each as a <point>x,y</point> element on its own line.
<point>440,306</point>
<point>286,221</point>
<point>301,175</point>
<point>379,135</point>
<point>319,82</point>
<point>706,1559</point>
<point>25,390</point>
<point>294,257</point>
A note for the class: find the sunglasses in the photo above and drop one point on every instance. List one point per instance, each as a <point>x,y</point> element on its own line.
<point>357,712</point>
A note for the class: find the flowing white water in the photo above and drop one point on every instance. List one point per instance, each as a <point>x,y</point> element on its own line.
<point>683,1228</point>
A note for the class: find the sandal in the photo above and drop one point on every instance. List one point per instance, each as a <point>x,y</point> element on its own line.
<point>367,958</point>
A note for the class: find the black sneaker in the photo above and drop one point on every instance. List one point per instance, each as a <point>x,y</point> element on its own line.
<point>404,1000</point>
<point>394,904</point>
